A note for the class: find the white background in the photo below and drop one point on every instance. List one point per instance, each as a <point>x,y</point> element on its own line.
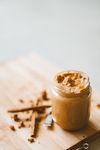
<point>65,32</point>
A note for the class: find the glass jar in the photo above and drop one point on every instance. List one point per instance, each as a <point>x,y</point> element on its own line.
<point>71,96</point>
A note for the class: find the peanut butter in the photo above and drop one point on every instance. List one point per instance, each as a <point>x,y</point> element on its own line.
<point>71,99</point>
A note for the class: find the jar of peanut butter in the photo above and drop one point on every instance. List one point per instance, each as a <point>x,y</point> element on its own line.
<point>71,99</point>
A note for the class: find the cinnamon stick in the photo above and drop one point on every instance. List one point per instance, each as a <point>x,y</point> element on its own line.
<point>36,108</point>
<point>35,122</point>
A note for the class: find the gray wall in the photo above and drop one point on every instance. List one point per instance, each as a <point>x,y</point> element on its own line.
<point>66,32</point>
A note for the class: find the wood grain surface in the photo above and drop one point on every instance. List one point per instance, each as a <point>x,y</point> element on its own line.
<point>24,78</point>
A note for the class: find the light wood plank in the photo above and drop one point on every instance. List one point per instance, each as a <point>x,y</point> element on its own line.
<point>24,78</point>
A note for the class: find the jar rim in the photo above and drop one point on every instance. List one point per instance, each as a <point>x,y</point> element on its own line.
<point>68,93</point>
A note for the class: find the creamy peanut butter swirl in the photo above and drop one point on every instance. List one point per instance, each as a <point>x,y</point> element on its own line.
<point>72,81</point>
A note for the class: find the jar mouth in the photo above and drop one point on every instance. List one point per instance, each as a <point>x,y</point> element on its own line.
<point>75,83</point>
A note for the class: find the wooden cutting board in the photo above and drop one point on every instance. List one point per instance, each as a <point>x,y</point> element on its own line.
<point>24,78</point>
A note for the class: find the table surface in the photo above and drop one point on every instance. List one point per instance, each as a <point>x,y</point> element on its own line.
<point>66,33</point>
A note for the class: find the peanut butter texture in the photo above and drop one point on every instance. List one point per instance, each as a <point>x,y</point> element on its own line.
<point>72,82</point>
<point>71,112</point>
